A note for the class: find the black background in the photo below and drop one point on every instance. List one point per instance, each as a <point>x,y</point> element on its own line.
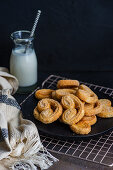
<point>72,35</point>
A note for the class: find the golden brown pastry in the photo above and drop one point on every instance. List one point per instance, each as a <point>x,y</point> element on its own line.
<point>67,102</point>
<point>90,120</point>
<point>43,105</point>
<point>79,106</point>
<point>61,84</point>
<point>62,92</point>
<point>92,109</point>
<point>105,102</point>
<point>86,94</point>
<point>72,115</point>
<point>47,110</point>
<point>81,128</point>
<point>43,93</point>
<point>107,112</point>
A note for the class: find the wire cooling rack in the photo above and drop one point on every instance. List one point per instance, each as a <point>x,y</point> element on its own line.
<point>98,150</point>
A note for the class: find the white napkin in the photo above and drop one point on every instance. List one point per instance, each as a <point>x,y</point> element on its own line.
<point>20,145</point>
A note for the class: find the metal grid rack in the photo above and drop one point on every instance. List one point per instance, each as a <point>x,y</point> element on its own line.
<point>98,150</point>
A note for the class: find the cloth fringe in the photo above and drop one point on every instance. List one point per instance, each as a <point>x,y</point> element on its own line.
<point>43,160</point>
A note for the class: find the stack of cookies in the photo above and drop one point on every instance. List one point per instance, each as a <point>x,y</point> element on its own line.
<point>73,104</point>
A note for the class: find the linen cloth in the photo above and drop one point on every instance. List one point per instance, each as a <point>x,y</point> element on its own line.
<point>20,145</point>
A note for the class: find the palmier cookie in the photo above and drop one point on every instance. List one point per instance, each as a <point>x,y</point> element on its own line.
<point>62,92</point>
<point>61,84</point>
<point>73,115</point>
<point>92,109</point>
<point>47,110</point>
<point>105,102</point>
<point>68,102</point>
<point>90,120</point>
<point>82,128</point>
<point>43,93</point>
<point>107,112</point>
<point>86,94</point>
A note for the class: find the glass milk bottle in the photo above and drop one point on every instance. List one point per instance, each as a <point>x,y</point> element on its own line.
<point>23,60</point>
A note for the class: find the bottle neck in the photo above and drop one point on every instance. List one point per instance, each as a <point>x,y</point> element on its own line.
<point>26,47</point>
<point>22,41</point>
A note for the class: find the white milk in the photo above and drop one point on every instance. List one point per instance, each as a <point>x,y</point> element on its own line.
<point>24,66</point>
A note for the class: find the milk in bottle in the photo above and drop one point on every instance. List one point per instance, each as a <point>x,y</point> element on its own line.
<point>23,63</point>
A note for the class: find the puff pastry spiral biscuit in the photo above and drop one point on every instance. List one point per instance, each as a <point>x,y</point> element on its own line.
<point>72,115</point>
<point>105,102</point>
<point>81,128</point>
<point>107,112</point>
<point>92,109</point>
<point>61,84</point>
<point>86,94</point>
<point>90,120</point>
<point>62,92</point>
<point>43,93</point>
<point>48,110</point>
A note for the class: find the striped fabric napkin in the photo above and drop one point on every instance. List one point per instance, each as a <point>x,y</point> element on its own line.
<point>20,145</point>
